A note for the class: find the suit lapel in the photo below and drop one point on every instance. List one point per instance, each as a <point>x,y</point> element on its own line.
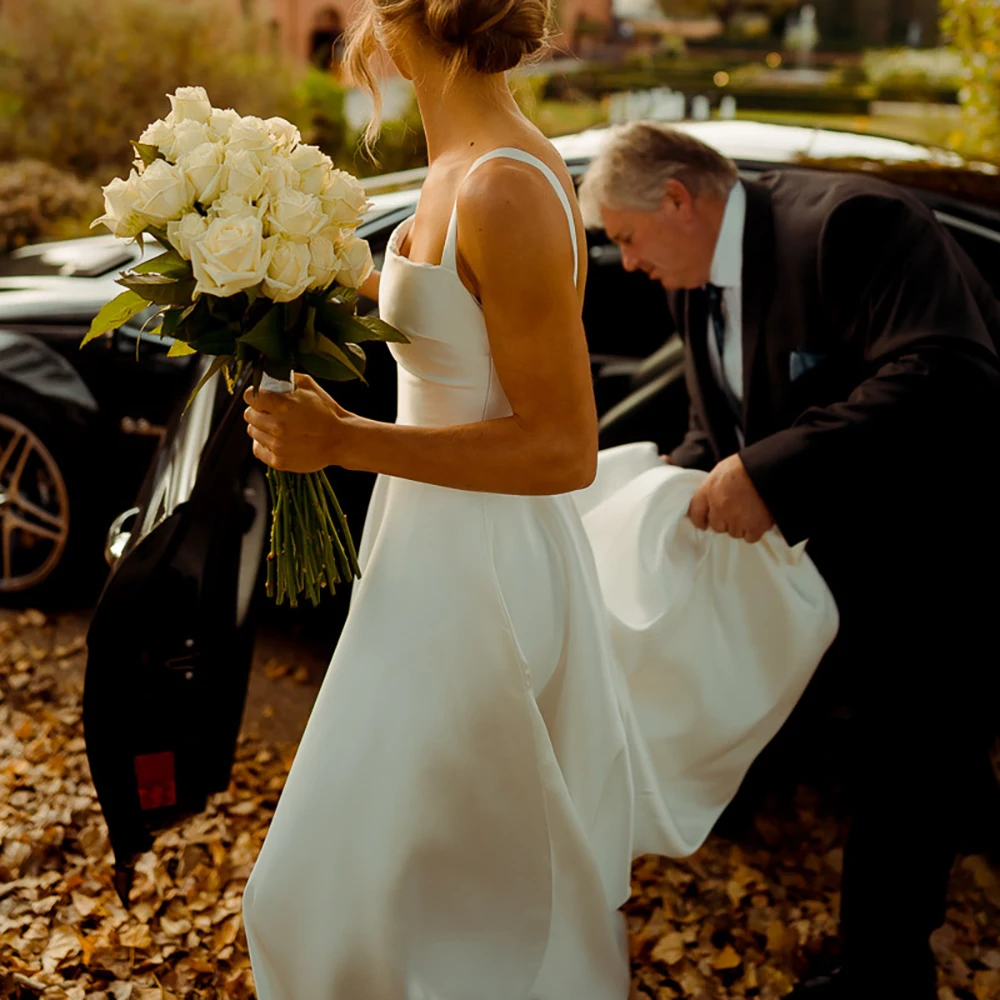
<point>712,404</point>
<point>758,291</point>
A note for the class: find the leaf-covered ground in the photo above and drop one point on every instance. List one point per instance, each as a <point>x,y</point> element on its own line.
<point>736,920</point>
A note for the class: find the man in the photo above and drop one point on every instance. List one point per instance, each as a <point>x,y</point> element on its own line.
<point>845,385</point>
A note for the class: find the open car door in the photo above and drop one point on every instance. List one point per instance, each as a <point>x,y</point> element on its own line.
<point>171,640</point>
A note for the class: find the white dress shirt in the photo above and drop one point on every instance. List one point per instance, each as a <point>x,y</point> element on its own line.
<point>727,274</point>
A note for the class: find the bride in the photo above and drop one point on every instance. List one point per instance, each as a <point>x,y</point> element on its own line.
<point>474,778</point>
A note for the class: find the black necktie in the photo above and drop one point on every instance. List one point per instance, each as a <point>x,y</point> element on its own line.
<point>714,294</point>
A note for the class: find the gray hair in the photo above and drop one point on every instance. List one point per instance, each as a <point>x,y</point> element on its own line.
<point>638,159</point>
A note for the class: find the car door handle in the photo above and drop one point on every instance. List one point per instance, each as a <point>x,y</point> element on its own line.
<point>118,537</point>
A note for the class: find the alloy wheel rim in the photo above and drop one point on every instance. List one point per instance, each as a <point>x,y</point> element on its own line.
<point>34,508</point>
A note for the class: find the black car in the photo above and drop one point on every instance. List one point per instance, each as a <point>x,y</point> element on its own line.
<point>173,631</point>
<point>77,428</point>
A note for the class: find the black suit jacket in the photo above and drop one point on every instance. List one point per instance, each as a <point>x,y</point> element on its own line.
<point>858,278</point>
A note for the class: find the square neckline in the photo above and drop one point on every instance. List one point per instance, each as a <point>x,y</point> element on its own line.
<point>450,242</point>
<point>394,242</point>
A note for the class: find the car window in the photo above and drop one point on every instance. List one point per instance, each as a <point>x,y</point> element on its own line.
<point>981,244</point>
<point>624,313</point>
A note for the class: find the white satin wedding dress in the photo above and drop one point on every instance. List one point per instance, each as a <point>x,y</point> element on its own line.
<point>496,738</point>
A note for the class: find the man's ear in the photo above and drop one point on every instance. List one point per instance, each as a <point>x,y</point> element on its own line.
<point>677,199</point>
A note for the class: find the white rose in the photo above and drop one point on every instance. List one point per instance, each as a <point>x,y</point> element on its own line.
<point>285,132</point>
<point>253,135</point>
<point>244,176</point>
<point>159,134</point>
<point>221,122</point>
<point>323,262</point>
<point>294,214</point>
<point>279,175</point>
<point>355,262</point>
<point>344,199</point>
<point>186,137</point>
<point>227,205</point>
<point>230,257</point>
<point>164,193</point>
<point>203,167</point>
<point>314,168</point>
<point>120,215</point>
<point>183,232</point>
<point>288,274</point>
<point>190,103</point>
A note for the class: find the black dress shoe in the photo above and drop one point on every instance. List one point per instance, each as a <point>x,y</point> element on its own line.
<point>829,987</point>
<point>837,986</point>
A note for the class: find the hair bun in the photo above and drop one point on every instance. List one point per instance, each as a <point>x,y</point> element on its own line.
<point>491,36</point>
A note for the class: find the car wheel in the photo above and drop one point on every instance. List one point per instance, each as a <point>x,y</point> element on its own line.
<point>40,523</point>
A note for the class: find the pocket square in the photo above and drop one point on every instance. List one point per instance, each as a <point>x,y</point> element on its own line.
<point>799,362</point>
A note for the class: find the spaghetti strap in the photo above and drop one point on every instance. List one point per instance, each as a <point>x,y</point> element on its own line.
<point>512,153</point>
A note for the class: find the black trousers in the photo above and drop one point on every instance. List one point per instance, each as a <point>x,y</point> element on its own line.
<point>917,666</point>
<point>922,683</point>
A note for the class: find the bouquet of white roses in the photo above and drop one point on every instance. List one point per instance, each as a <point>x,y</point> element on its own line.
<point>260,268</point>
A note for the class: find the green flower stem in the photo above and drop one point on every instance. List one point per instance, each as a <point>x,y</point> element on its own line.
<point>355,568</point>
<point>308,536</point>
<point>318,496</point>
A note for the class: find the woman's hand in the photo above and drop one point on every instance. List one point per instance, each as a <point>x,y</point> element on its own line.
<point>300,431</point>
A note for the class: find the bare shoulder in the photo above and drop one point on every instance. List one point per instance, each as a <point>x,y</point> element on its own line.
<point>509,203</point>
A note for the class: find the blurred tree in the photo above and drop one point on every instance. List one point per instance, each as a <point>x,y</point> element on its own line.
<point>727,10</point>
<point>973,28</point>
<point>80,78</point>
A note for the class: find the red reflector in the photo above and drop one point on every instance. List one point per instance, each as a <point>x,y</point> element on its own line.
<point>154,774</point>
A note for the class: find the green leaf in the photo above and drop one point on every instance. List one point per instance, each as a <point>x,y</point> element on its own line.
<point>216,341</point>
<point>339,323</point>
<point>348,296</point>
<point>324,366</point>
<point>381,330</point>
<point>268,336</point>
<point>279,369</point>
<point>146,152</point>
<point>213,369</point>
<point>160,235</point>
<point>171,320</point>
<point>326,346</point>
<point>115,314</point>
<point>156,288</point>
<point>170,264</point>
<point>178,349</point>
<point>307,342</point>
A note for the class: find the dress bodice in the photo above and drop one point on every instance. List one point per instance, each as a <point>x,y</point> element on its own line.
<point>446,371</point>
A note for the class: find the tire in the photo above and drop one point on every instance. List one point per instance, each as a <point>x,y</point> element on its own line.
<point>47,541</point>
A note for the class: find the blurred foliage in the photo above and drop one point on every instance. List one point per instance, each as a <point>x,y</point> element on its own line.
<point>401,145</point>
<point>320,113</point>
<point>39,201</point>
<point>907,68</point>
<point>79,78</point>
<point>972,27</point>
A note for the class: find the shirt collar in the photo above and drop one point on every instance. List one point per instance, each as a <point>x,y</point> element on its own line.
<point>727,262</point>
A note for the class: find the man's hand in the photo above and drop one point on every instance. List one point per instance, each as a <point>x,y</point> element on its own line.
<point>728,502</point>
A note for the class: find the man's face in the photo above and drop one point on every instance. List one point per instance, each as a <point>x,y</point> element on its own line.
<point>674,245</point>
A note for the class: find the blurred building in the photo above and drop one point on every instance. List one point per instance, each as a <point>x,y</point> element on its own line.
<point>313,30</point>
<point>878,23</point>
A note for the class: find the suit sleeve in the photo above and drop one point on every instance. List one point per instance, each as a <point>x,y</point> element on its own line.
<point>695,451</point>
<point>929,377</point>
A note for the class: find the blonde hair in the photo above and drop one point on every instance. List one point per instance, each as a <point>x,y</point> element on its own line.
<point>637,160</point>
<point>480,36</point>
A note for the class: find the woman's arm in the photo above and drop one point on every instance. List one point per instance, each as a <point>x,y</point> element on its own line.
<point>369,287</point>
<point>515,239</point>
